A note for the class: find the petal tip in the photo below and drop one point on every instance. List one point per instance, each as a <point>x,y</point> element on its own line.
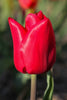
<point>11,20</point>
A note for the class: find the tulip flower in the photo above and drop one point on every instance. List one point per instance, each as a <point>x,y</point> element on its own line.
<point>34,46</point>
<point>26,4</point>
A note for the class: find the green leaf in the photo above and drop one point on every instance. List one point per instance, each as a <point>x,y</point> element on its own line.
<point>50,87</point>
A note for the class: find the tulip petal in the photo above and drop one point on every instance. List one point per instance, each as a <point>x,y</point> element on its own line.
<point>18,33</point>
<point>35,48</point>
<point>31,20</point>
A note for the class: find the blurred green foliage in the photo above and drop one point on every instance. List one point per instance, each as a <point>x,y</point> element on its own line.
<point>55,10</point>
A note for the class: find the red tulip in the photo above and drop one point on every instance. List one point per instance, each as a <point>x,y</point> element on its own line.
<point>26,4</point>
<point>34,45</point>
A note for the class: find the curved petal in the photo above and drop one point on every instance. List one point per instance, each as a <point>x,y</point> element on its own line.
<point>18,33</point>
<point>35,48</point>
<point>31,20</point>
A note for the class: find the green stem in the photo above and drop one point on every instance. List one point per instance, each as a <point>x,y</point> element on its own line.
<point>28,11</point>
<point>50,86</point>
<point>33,87</point>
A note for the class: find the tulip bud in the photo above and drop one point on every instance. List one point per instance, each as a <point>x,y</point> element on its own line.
<point>26,4</point>
<point>34,45</point>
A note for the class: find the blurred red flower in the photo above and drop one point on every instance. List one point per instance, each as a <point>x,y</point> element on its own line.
<point>34,45</point>
<point>26,4</point>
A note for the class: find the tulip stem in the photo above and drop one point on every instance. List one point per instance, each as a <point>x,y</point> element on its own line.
<point>33,87</point>
<point>28,11</point>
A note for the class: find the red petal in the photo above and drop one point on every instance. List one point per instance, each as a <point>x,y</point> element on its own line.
<point>18,33</point>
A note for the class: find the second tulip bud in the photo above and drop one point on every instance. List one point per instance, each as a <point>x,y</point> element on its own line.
<point>26,4</point>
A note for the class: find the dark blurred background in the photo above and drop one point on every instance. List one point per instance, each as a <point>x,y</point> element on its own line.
<point>16,86</point>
